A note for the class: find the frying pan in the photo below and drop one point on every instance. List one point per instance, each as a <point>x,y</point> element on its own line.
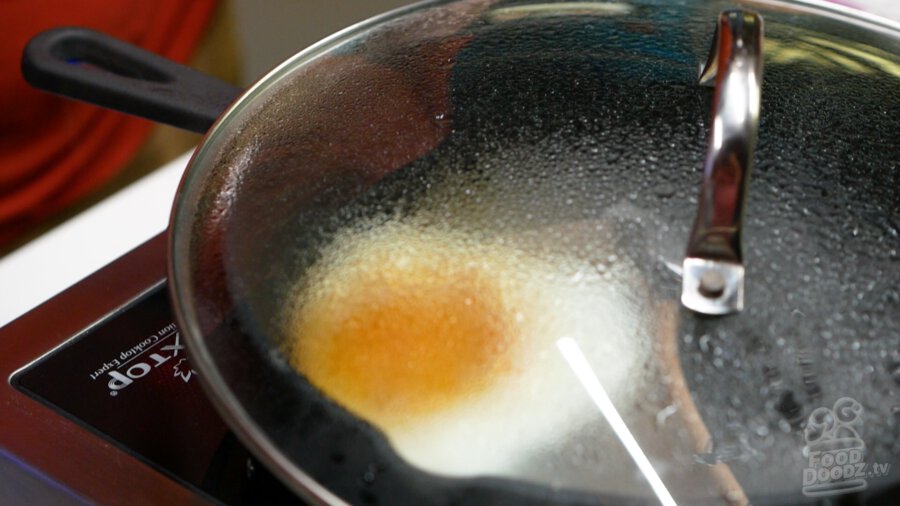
<point>569,130</point>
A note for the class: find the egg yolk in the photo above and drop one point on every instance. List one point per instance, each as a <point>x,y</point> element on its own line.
<point>393,339</point>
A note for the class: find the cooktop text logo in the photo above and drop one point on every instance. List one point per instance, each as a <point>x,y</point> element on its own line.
<point>163,349</point>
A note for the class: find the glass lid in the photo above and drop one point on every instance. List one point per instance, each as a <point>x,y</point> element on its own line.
<point>451,253</point>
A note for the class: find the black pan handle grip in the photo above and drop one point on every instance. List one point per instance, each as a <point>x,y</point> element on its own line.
<point>93,67</point>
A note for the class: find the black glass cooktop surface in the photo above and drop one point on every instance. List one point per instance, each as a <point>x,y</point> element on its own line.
<point>128,378</point>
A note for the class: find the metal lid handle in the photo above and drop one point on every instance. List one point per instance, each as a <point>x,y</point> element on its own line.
<point>713,270</point>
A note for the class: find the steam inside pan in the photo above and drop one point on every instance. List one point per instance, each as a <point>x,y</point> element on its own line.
<point>438,321</point>
<point>446,341</point>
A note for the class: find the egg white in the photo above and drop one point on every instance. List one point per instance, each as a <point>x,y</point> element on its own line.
<point>551,292</point>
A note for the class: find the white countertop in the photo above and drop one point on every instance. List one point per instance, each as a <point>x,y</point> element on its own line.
<point>64,255</point>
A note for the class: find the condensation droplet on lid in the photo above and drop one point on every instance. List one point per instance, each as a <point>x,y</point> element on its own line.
<point>733,495</point>
<point>895,374</point>
<point>664,414</point>
<point>704,343</point>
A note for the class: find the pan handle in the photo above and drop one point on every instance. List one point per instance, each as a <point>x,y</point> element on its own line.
<point>94,67</point>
